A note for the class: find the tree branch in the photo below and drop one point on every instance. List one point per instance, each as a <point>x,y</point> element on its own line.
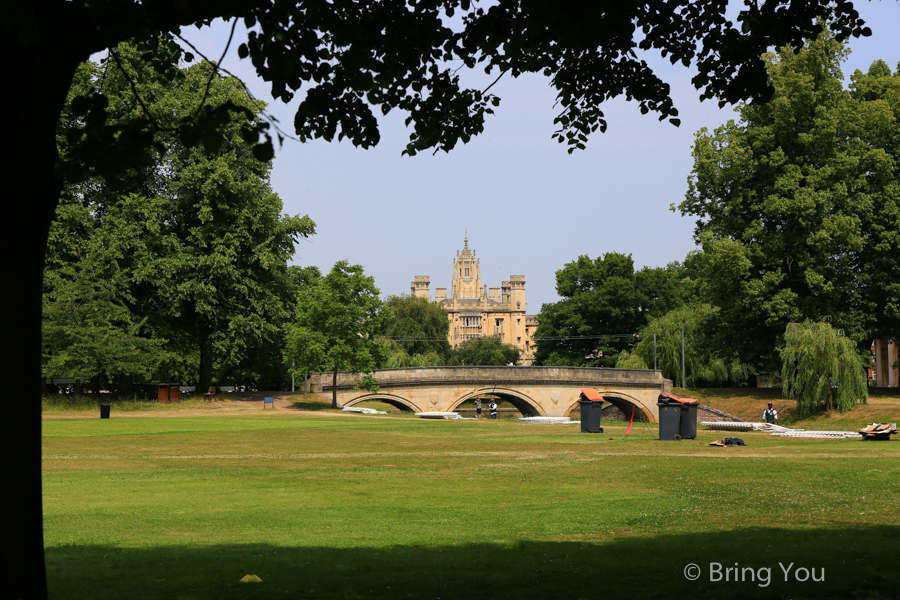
<point>78,26</point>
<point>215,67</point>
<point>135,93</point>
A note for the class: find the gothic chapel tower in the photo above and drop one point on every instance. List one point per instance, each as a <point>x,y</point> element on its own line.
<point>476,311</point>
<point>466,274</point>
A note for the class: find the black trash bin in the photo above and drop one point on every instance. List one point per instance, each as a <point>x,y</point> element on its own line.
<point>591,403</point>
<point>669,419</point>
<point>689,418</point>
<point>677,417</point>
<point>104,411</point>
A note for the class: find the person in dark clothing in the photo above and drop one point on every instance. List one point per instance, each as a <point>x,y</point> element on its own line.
<point>493,408</point>
<point>770,415</point>
<point>478,407</point>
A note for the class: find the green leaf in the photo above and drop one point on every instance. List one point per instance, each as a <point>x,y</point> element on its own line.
<point>263,151</point>
<point>80,105</point>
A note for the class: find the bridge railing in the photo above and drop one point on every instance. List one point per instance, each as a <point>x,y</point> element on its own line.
<point>582,376</point>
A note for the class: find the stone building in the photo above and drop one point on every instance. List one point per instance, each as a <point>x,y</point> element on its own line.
<point>886,357</point>
<point>475,310</point>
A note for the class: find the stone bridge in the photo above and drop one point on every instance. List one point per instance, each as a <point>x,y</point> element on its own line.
<point>535,391</point>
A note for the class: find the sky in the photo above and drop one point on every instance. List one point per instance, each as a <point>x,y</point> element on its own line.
<point>528,206</point>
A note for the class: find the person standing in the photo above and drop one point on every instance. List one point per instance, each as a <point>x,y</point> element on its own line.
<point>478,407</point>
<point>493,408</point>
<point>770,415</point>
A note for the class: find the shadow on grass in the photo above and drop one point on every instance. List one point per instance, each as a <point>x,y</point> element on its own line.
<point>313,405</point>
<point>854,562</point>
<point>885,393</point>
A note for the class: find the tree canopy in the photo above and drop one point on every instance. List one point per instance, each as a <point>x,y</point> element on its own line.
<point>418,325</point>
<point>705,363</point>
<point>603,297</point>
<point>336,325</point>
<point>348,58</point>
<point>798,205</point>
<point>485,351</point>
<point>90,331</point>
<point>201,244</point>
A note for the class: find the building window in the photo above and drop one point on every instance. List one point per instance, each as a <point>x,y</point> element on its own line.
<point>467,271</point>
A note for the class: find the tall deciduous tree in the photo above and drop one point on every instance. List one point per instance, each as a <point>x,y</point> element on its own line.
<point>350,56</point>
<point>418,325</point>
<point>485,351</point>
<point>799,205</point>
<point>603,296</point>
<point>336,325</point>
<point>821,368</point>
<point>90,332</point>
<point>207,245</point>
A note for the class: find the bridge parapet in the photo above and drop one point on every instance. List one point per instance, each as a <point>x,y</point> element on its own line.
<point>546,391</point>
<point>465,374</point>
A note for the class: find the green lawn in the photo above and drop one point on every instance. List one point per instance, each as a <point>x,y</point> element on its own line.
<point>321,505</point>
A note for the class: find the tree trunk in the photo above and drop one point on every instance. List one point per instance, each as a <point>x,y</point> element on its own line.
<point>21,265</point>
<point>334,389</point>
<point>206,366</point>
<point>42,77</point>
<point>47,42</point>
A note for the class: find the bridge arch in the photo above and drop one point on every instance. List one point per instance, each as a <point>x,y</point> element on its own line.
<point>525,404</point>
<point>623,402</point>
<point>395,401</point>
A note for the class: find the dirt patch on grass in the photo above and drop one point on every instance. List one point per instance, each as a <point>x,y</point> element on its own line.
<point>745,403</point>
<point>749,404</point>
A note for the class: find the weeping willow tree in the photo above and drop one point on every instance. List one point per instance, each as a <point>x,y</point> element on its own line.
<point>627,360</point>
<point>398,357</point>
<point>702,364</point>
<point>821,368</point>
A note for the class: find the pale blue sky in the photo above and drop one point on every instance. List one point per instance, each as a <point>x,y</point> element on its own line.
<point>528,206</point>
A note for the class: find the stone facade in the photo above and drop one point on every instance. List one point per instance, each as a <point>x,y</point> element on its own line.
<point>475,310</point>
<point>886,356</point>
